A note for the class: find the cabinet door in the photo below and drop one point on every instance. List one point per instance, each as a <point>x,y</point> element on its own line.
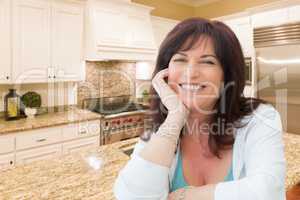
<point>7,160</point>
<point>81,144</point>
<point>270,18</point>
<point>161,27</point>
<point>141,29</point>
<point>111,27</point>
<point>294,14</point>
<point>36,154</point>
<point>5,47</point>
<point>31,40</point>
<point>67,40</point>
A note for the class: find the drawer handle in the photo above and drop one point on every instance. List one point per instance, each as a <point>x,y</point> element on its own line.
<point>82,132</point>
<point>41,140</point>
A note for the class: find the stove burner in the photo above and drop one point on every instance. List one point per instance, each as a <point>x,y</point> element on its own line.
<point>108,107</point>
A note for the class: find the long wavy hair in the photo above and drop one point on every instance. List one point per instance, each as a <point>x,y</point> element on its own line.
<point>229,53</point>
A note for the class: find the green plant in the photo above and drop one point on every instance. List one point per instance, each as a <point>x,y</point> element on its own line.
<point>31,100</point>
<point>145,93</point>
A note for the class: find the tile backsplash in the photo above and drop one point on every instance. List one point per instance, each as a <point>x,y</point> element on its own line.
<point>107,79</point>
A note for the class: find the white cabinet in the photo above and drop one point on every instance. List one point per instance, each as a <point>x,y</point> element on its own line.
<point>270,18</point>
<point>81,144</point>
<point>141,31</point>
<point>119,30</point>
<point>294,14</point>
<point>111,26</point>
<point>7,160</point>
<point>47,152</point>
<point>161,27</point>
<point>80,130</point>
<point>31,40</point>
<point>7,144</point>
<point>38,144</point>
<point>47,41</point>
<point>242,28</point>
<point>67,41</point>
<point>38,137</point>
<point>5,37</point>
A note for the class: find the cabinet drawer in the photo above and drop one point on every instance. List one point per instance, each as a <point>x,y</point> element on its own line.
<point>7,160</point>
<point>38,137</point>
<point>41,153</point>
<point>80,130</point>
<point>7,144</point>
<point>81,144</point>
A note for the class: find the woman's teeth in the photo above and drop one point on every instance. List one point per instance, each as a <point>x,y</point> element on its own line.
<point>192,87</point>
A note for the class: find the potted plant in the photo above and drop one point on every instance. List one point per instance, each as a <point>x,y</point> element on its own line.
<point>145,94</point>
<point>31,101</point>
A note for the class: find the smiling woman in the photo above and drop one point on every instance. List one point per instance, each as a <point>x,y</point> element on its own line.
<point>209,142</point>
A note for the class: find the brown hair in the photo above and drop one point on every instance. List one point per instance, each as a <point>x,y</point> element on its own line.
<point>229,53</point>
<point>294,192</point>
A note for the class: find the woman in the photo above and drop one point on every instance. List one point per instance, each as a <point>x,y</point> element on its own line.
<point>211,143</point>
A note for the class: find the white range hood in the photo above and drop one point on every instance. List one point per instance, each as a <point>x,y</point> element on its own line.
<point>119,30</point>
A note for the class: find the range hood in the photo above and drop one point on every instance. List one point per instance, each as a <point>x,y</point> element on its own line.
<point>119,30</point>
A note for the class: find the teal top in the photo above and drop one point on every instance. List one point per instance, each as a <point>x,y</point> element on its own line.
<point>178,179</point>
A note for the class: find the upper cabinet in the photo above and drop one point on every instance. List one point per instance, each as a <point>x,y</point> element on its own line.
<point>119,30</point>
<point>46,41</point>
<point>294,14</point>
<point>270,18</point>
<point>243,30</point>
<point>161,27</point>
<point>67,40</point>
<point>31,40</point>
<point>5,37</point>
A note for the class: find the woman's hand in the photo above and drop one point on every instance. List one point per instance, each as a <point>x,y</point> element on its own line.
<point>177,111</point>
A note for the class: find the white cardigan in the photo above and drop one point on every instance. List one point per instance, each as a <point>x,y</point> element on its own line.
<point>259,165</point>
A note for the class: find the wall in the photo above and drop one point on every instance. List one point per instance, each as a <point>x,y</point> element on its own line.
<point>168,9</point>
<point>55,94</point>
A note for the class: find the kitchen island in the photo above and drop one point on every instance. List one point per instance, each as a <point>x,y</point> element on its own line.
<point>90,174</point>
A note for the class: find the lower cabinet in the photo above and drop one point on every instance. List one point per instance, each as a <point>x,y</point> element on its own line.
<point>7,160</point>
<point>46,143</point>
<point>27,156</point>
<point>81,144</point>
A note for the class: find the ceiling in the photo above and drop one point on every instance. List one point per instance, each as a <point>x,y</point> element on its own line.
<point>194,3</point>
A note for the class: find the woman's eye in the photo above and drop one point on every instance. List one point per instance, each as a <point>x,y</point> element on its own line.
<point>208,62</point>
<point>179,60</point>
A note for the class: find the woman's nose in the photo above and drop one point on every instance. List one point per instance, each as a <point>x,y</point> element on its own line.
<point>191,70</point>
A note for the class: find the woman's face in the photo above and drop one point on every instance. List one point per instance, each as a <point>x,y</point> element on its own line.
<point>197,76</point>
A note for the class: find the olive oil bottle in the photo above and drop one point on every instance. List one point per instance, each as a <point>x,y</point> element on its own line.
<point>12,105</point>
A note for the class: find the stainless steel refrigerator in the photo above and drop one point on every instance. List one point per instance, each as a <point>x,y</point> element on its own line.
<point>277,64</point>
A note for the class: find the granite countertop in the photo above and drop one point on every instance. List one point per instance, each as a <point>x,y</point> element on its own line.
<point>292,154</point>
<point>90,174</point>
<point>47,120</point>
<point>87,174</point>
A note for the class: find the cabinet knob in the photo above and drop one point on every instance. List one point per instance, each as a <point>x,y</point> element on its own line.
<point>54,76</point>
<point>49,76</point>
<point>11,162</point>
<point>7,77</point>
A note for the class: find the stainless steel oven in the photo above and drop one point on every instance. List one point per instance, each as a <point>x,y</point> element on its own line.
<point>121,119</point>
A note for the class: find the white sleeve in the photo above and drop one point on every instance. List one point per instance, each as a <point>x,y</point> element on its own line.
<point>141,179</point>
<point>265,163</point>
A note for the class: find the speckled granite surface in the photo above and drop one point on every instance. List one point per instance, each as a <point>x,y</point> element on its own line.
<point>292,153</point>
<point>47,120</point>
<point>91,174</point>
<point>83,175</point>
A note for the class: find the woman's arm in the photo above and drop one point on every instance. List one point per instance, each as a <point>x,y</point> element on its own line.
<point>145,176</point>
<point>264,164</point>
